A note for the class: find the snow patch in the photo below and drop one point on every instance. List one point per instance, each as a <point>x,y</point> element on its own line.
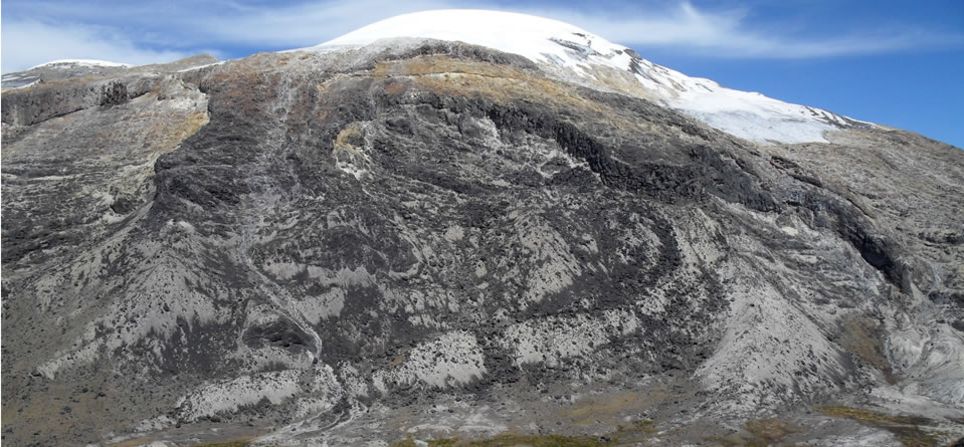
<point>81,63</point>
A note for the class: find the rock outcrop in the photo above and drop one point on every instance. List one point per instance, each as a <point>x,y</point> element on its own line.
<point>434,239</point>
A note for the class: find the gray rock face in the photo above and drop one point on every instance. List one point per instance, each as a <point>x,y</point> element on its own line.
<point>440,240</point>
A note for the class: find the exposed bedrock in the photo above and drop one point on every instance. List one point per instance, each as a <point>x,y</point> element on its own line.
<point>311,239</point>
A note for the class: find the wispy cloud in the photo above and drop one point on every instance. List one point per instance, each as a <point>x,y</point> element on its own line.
<point>309,24</point>
<point>152,30</point>
<point>729,34</point>
<point>29,43</point>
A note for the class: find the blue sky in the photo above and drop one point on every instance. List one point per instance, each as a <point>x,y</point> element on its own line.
<point>898,63</point>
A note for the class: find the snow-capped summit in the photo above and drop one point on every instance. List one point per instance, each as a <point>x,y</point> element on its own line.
<point>581,56</point>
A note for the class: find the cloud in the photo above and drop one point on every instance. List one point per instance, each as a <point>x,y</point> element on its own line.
<point>728,33</point>
<point>154,30</point>
<point>309,24</point>
<point>29,43</point>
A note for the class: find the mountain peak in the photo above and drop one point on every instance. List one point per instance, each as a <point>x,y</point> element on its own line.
<point>537,38</point>
<point>578,55</point>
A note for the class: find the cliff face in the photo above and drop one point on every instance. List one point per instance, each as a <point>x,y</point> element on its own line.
<point>437,239</point>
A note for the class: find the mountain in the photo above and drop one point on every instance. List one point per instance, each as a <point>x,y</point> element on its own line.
<point>578,56</point>
<point>468,225</point>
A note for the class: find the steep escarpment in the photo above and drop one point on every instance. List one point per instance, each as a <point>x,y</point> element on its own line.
<point>434,239</point>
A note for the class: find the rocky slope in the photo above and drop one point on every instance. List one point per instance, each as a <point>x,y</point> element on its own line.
<point>421,239</point>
